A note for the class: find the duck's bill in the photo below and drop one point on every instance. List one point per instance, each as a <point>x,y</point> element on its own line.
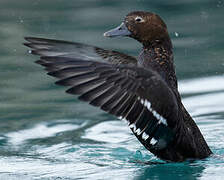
<point>121,30</point>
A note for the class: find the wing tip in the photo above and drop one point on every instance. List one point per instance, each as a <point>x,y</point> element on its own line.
<point>64,82</point>
<point>27,44</point>
<point>41,62</point>
<point>34,39</point>
<point>28,38</point>
<point>56,73</point>
<point>31,39</point>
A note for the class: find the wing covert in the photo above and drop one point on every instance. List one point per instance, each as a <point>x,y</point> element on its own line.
<point>51,47</point>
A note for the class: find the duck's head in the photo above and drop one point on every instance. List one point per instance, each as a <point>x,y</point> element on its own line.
<point>143,26</point>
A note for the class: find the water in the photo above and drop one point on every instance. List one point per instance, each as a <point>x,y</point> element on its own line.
<point>47,134</point>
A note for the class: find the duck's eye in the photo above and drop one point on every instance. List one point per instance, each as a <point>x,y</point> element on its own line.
<point>139,19</point>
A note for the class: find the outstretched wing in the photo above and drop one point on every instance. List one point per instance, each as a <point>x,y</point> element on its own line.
<point>134,94</point>
<point>50,47</point>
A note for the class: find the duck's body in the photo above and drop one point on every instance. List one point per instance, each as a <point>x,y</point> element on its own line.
<point>189,142</point>
<point>142,91</point>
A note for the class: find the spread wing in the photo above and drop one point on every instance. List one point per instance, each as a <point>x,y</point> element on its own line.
<point>50,47</point>
<point>134,94</point>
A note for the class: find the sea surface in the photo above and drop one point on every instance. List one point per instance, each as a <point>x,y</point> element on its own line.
<point>48,134</point>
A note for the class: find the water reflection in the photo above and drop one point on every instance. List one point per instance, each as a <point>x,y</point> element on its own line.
<point>171,171</point>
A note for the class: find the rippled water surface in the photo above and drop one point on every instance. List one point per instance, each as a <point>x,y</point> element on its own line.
<point>47,134</point>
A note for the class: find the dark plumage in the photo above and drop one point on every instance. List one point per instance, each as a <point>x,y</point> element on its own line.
<point>142,91</point>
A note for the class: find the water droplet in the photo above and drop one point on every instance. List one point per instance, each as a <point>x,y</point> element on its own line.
<point>204,15</point>
<point>220,3</point>
<point>176,34</point>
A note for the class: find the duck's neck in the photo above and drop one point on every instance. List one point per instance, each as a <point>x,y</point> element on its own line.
<point>158,55</point>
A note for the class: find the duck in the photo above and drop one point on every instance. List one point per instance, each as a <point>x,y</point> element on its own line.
<point>142,91</point>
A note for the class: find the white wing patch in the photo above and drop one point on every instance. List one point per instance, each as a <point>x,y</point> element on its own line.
<point>135,129</point>
<point>147,104</point>
<point>138,131</point>
<point>132,126</point>
<point>145,136</point>
<point>153,141</point>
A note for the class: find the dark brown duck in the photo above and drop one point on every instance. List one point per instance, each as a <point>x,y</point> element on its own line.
<point>141,91</point>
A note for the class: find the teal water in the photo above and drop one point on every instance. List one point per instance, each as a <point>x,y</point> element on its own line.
<point>47,134</point>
